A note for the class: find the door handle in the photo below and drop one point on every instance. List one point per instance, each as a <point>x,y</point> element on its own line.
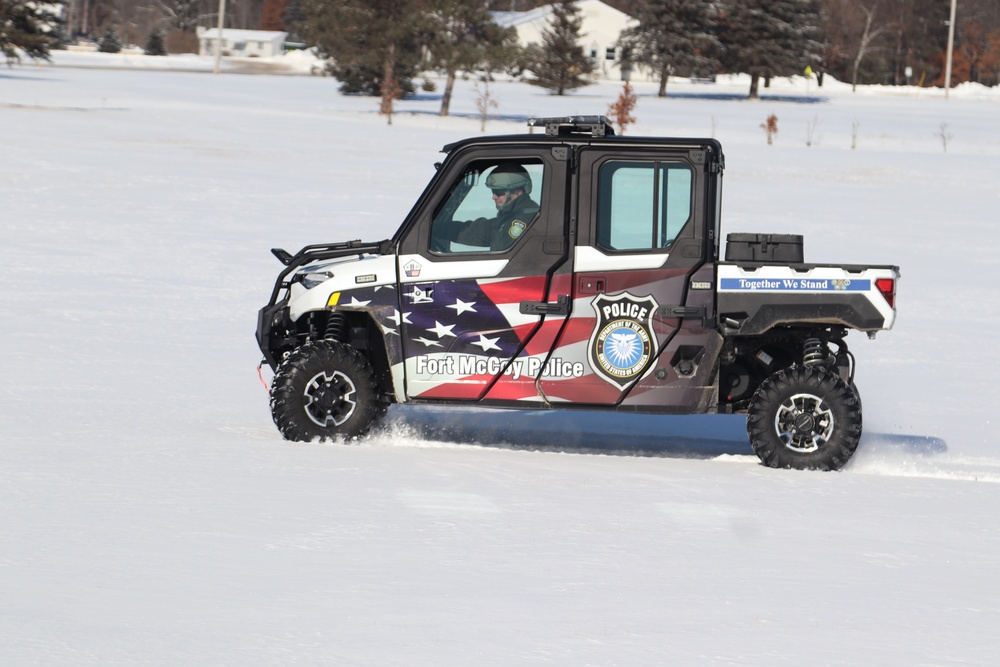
<point>560,307</point>
<point>681,312</point>
<point>591,284</point>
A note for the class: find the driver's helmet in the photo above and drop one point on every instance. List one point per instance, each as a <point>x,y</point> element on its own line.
<point>509,176</point>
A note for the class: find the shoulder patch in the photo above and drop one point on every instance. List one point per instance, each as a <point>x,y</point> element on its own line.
<point>517,228</point>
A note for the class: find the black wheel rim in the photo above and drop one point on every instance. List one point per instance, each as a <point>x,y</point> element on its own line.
<point>804,423</point>
<point>330,399</point>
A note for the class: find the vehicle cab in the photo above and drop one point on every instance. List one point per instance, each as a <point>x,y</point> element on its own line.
<point>602,292</point>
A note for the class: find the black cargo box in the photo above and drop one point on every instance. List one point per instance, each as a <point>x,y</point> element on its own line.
<point>785,248</point>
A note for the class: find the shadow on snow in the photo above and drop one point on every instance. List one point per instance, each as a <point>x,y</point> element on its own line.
<point>625,434</point>
<point>741,97</point>
<point>524,118</point>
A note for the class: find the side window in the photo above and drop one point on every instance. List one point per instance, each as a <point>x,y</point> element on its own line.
<point>489,207</point>
<point>642,205</point>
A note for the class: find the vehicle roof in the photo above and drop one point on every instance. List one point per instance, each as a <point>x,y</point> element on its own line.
<point>584,140</point>
<point>582,131</point>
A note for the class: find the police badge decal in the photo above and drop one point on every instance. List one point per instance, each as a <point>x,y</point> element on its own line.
<point>623,343</point>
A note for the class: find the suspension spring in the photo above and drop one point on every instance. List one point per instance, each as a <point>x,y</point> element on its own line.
<point>336,327</point>
<point>814,353</point>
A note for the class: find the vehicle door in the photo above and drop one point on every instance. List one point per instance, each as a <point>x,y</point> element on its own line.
<point>641,237</point>
<point>479,286</point>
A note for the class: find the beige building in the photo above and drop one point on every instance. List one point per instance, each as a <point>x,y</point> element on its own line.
<point>242,43</point>
<point>601,26</point>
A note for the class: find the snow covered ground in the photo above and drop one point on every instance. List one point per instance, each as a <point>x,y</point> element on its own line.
<point>151,514</point>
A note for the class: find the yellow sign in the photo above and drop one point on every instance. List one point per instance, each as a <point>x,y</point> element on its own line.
<point>809,70</point>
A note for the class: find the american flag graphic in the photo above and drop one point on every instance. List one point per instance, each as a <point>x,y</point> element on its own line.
<point>467,339</point>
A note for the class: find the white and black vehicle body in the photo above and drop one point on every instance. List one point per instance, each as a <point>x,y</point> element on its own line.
<point>612,296</point>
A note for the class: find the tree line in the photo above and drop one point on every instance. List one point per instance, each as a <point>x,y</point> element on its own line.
<point>380,47</point>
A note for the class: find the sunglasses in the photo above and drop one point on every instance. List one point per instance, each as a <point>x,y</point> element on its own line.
<point>500,193</point>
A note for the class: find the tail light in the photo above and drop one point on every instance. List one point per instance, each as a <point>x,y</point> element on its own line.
<point>887,288</point>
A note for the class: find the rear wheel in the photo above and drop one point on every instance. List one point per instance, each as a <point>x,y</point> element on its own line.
<point>805,418</point>
<point>324,390</point>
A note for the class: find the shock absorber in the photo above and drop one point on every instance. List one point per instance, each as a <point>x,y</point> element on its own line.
<point>814,353</point>
<point>336,327</point>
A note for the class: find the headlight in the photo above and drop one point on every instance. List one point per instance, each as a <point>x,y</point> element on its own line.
<point>310,280</point>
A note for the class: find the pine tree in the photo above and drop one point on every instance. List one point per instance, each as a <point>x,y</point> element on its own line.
<point>365,42</point>
<point>28,26</point>
<point>110,42</point>
<point>155,45</point>
<point>673,37</point>
<point>563,65</point>
<point>461,36</point>
<point>769,38</point>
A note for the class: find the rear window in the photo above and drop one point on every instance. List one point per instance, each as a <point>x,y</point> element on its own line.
<point>642,206</point>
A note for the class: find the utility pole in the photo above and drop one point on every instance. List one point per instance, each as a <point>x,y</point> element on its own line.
<point>218,42</point>
<point>951,44</point>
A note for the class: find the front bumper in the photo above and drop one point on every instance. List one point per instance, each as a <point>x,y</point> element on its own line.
<point>274,334</point>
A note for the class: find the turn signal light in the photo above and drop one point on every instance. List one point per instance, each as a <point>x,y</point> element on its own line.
<point>887,288</point>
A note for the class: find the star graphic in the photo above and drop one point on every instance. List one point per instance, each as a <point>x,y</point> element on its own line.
<point>395,318</point>
<point>442,330</point>
<point>357,304</point>
<point>427,343</point>
<point>463,306</point>
<point>487,343</point>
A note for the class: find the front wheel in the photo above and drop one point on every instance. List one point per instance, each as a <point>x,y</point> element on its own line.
<point>324,390</point>
<point>804,418</point>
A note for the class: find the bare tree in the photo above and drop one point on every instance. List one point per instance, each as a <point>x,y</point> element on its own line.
<point>868,36</point>
<point>620,112</point>
<point>811,131</point>
<point>485,103</point>
<point>770,126</point>
<point>944,135</point>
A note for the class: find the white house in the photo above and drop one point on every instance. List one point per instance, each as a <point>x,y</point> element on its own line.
<point>242,43</point>
<point>599,32</point>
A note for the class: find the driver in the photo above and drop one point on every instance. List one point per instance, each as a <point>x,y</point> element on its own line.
<point>511,186</point>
